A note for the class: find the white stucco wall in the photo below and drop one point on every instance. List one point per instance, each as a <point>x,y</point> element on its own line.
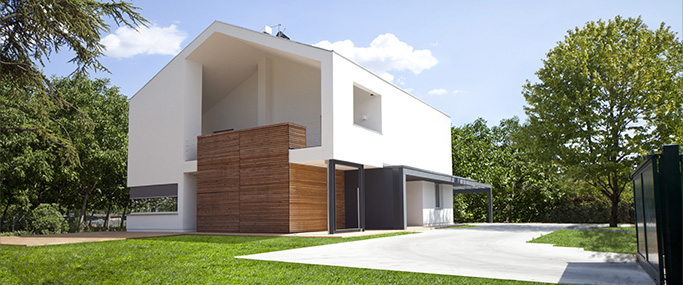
<point>164,115</point>
<point>296,97</point>
<point>413,133</point>
<point>291,93</point>
<point>237,109</point>
<point>431,215</point>
<point>414,203</point>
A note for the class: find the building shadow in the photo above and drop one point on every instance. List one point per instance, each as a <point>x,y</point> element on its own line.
<point>604,273</point>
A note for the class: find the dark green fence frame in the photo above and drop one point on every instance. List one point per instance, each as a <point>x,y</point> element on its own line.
<point>657,190</point>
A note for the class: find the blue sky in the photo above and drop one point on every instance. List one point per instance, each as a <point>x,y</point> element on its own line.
<point>469,59</point>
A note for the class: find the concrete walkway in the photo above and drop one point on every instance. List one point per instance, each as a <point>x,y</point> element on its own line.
<point>496,251</point>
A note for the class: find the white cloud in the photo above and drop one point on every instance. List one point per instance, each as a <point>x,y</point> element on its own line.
<point>126,42</point>
<point>385,53</point>
<point>457,91</point>
<point>438,92</point>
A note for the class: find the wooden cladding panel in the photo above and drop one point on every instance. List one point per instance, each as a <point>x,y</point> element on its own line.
<point>264,179</point>
<point>297,136</point>
<point>243,179</point>
<point>218,212</point>
<point>218,183</point>
<point>308,198</point>
<point>246,184</point>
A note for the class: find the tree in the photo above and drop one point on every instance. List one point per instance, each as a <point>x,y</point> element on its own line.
<point>522,191</point>
<point>32,174</point>
<point>25,165</point>
<point>609,92</point>
<point>102,153</point>
<point>30,31</point>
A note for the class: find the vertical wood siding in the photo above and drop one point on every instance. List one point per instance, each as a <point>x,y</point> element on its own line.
<point>308,198</point>
<point>246,184</point>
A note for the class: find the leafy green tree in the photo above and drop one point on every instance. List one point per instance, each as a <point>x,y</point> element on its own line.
<point>102,152</point>
<point>25,166</point>
<point>32,174</point>
<point>609,92</point>
<point>522,191</point>
<point>30,32</point>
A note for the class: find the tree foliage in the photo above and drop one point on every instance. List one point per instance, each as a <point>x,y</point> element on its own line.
<point>30,32</point>
<point>611,91</point>
<point>46,219</point>
<point>522,191</point>
<point>102,152</point>
<point>35,175</point>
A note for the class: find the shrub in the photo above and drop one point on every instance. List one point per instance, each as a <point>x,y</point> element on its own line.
<point>46,219</point>
<point>588,209</point>
<point>15,233</point>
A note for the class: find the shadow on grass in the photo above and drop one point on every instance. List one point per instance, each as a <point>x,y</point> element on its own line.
<point>594,273</point>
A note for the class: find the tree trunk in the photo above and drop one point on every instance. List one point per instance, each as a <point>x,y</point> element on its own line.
<point>106,220</point>
<point>92,216</point>
<point>614,216</point>
<point>123,217</point>
<point>4,212</point>
<point>81,220</point>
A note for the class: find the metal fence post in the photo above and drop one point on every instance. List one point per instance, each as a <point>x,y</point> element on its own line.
<point>670,187</point>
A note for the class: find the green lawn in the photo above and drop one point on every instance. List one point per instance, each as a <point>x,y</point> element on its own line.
<point>633,229</point>
<point>463,227</point>
<point>606,241</point>
<point>193,259</point>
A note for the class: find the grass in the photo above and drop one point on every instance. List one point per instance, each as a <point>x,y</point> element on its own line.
<point>605,241</point>
<point>194,259</point>
<point>463,227</point>
<point>633,229</point>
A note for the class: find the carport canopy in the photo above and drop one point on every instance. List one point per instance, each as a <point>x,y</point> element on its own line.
<point>460,185</point>
<point>402,174</point>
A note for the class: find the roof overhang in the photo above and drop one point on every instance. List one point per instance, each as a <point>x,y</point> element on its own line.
<point>460,184</point>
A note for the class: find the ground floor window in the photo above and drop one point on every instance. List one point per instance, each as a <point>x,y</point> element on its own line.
<point>154,198</point>
<point>154,205</point>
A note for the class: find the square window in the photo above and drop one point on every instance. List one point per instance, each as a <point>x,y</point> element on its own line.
<point>367,109</point>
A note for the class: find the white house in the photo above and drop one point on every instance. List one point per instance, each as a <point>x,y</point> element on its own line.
<point>244,131</point>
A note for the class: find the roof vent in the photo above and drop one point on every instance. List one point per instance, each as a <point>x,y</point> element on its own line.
<point>280,34</point>
<point>269,31</point>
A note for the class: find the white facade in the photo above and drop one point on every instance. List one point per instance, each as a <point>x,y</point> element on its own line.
<point>233,78</point>
<point>422,208</point>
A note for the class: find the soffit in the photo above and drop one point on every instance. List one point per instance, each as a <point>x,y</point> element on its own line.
<point>228,61</point>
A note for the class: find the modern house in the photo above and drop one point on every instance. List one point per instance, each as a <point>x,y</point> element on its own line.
<point>244,131</point>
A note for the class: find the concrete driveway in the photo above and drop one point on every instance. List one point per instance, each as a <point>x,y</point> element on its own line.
<point>496,251</point>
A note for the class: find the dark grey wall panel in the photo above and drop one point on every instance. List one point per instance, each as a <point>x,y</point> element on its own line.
<point>383,198</point>
<point>379,201</point>
<point>398,190</point>
<point>153,191</point>
<point>350,199</point>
